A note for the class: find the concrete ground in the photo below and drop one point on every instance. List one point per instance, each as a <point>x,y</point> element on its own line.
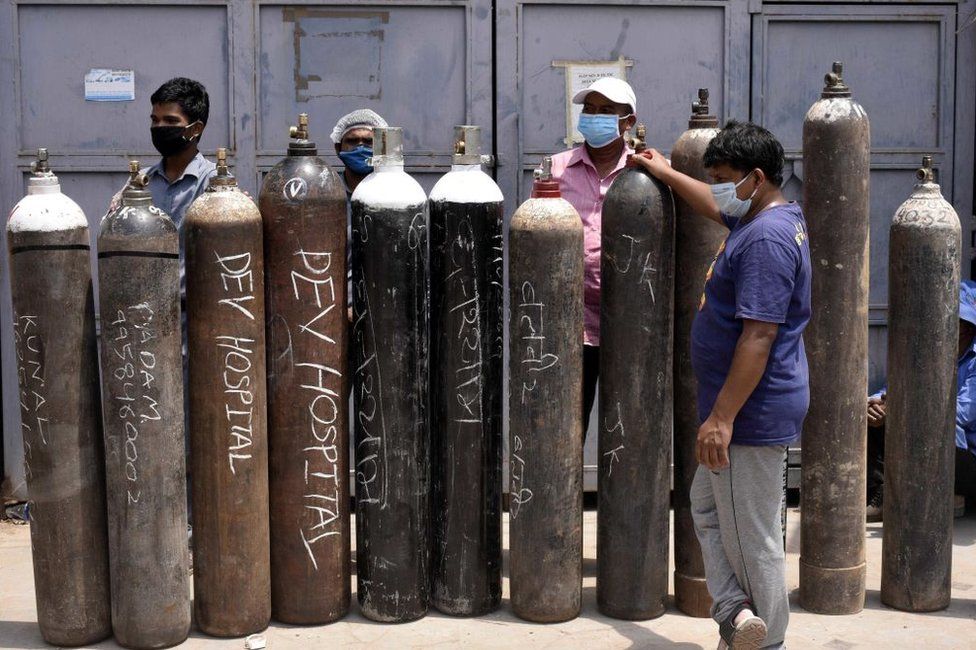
<point>875,627</point>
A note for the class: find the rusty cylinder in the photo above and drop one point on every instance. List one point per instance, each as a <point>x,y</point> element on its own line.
<point>923,305</point>
<point>142,410</point>
<point>389,353</point>
<point>303,205</point>
<point>546,370</point>
<point>466,347</point>
<point>696,239</point>
<point>228,416</point>
<point>836,178</point>
<point>636,314</point>
<point>57,369</point>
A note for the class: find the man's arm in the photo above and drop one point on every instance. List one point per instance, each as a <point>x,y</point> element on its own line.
<point>748,365</point>
<point>696,193</point>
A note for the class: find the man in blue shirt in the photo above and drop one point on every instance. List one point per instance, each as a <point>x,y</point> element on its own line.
<point>965,486</point>
<point>753,390</point>
<point>180,109</point>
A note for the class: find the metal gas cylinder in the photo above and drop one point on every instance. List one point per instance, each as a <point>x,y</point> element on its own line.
<point>636,315</point>
<point>923,305</point>
<point>389,354</point>
<point>57,369</point>
<point>142,410</point>
<point>466,347</point>
<point>836,174</point>
<point>696,240</point>
<point>303,205</point>
<point>228,412</point>
<point>546,433</point>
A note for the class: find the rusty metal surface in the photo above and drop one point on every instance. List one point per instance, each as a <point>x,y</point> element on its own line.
<point>228,417</point>
<point>389,354</point>
<point>142,382</point>
<point>923,276</point>
<point>836,162</point>
<point>303,206</point>
<point>545,406</point>
<point>636,317</point>
<point>696,242</point>
<point>466,346</point>
<point>57,368</point>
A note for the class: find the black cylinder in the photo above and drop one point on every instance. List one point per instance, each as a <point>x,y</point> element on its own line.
<point>923,305</point>
<point>836,175</point>
<point>546,433</point>
<point>303,206</point>
<point>636,314</point>
<point>696,240</point>
<point>57,369</point>
<point>142,407</point>
<point>389,354</point>
<point>228,410</point>
<point>466,346</point>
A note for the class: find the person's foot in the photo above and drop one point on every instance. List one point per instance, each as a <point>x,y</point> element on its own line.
<point>743,631</point>
<point>875,509</point>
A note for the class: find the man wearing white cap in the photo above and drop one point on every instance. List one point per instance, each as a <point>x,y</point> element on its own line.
<point>584,174</point>
<point>353,139</point>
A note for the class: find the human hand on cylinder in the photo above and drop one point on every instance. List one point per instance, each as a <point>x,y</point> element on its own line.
<point>653,161</point>
<point>876,411</point>
<point>712,446</point>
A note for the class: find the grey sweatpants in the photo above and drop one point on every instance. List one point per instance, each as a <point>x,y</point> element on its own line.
<point>737,513</point>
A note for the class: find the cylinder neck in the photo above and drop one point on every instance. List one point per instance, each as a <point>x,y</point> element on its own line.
<point>639,141</point>
<point>387,148</point>
<point>224,179</point>
<point>300,145</point>
<point>700,117</point>
<point>42,180</point>
<point>467,145</point>
<point>136,192</point>
<point>926,185</point>
<point>834,85</point>
<point>544,186</point>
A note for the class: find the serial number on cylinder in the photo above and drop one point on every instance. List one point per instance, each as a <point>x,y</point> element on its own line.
<point>135,393</point>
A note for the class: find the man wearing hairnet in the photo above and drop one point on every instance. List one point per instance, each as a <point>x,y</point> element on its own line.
<point>965,486</point>
<point>353,139</point>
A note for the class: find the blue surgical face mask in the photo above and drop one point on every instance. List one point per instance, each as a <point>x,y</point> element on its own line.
<point>728,202</point>
<point>357,160</point>
<point>599,130</point>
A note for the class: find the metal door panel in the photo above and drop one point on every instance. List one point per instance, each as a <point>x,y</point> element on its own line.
<point>416,65</point>
<point>895,60</point>
<point>59,44</point>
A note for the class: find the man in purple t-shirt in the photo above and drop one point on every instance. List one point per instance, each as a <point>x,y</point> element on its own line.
<point>753,390</point>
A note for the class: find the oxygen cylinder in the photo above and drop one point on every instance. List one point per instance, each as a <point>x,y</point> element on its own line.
<point>636,314</point>
<point>303,205</point>
<point>836,173</point>
<point>696,239</point>
<point>466,347</point>
<point>389,350</point>
<point>57,369</point>
<point>142,410</point>
<point>228,412</point>
<point>546,433</point>
<point>923,305</point>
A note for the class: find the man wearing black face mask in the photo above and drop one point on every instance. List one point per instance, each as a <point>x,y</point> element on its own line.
<point>180,108</point>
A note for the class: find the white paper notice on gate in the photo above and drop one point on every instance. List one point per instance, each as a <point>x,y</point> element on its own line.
<point>580,75</point>
<point>105,85</point>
